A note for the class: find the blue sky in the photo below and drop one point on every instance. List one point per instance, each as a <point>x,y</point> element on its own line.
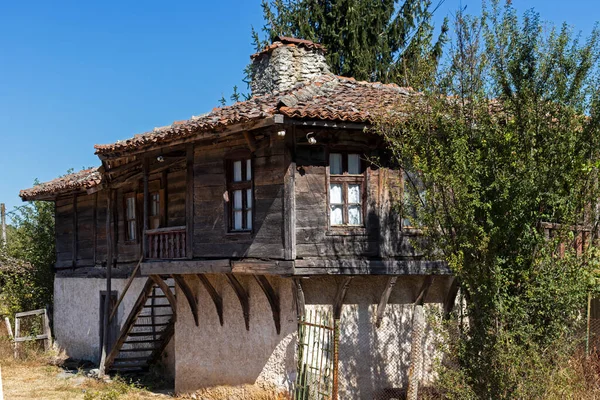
<point>77,73</point>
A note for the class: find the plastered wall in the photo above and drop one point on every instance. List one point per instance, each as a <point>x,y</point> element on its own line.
<point>373,361</point>
<point>77,315</point>
<point>212,354</point>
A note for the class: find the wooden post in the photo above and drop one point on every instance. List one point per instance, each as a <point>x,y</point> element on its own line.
<point>145,207</point>
<point>589,321</point>
<point>75,233</point>
<point>416,353</point>
<point>109,261</point>
<point>17,331</point>
<point>8,328</point>
<point>47,331</point>
<point>336,358</point>
<point>3,217</point>
<point>189,203</point>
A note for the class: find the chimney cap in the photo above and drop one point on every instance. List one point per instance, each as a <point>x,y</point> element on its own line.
<point>286,40</point>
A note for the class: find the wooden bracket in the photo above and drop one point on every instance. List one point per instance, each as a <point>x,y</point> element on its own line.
<point>243,296</point>
<point>385,296</point>
<point>216,297</point>
<point>167,291</point>
<point>423,291</point>
<point>451,297</point>
<point>300,302</point>
<point>339,297</point>
<point>189,295</point>
<point>250,140</point>
<point>273,298</point>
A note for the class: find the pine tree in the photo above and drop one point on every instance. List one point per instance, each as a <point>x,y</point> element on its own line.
<point>381,40</point>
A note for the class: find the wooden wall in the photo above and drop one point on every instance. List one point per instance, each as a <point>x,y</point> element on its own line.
<point>211,238</point>
<point>382,235</point>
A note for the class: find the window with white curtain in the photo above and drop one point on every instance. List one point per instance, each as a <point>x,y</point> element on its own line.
<point>346,189</point>
<point>239,186</point>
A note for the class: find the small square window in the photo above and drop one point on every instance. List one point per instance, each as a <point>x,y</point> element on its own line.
<point>346,185</point>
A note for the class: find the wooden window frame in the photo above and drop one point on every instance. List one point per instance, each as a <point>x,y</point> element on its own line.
<point>127,219</point>
<point>242,185</point>
<point>160,212</point>
<point>346,179</point>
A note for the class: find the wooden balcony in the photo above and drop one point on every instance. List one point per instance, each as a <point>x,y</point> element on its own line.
<point>166,243</point>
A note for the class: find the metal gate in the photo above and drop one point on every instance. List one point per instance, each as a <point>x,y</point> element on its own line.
<point>315,356</point>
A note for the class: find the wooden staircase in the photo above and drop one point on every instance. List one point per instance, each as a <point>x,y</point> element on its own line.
<point>147,330</point>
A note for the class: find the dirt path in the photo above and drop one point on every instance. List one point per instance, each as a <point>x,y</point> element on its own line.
<point>35,381</point>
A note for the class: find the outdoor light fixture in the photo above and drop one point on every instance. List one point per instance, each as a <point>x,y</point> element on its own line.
<point>281,133</point>
<point>311,139</point>
<point>160,159</point>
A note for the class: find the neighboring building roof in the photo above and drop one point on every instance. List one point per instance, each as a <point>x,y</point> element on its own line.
<point>285,40</point>
<point>85,179</point>
<point>328,97</point>
<point>13,265</point>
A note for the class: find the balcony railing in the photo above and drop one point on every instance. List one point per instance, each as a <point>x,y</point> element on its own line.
<point>166,243</point>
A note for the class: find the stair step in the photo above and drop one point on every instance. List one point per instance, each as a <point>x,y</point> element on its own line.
<point>157,305</point>
<point>150,325</point>
<point>160,296</point>
<point>155,315</point>
<point>131,359</point>
<point>141,334</point>
<point>143,341</point>
<point>130,365</point>
<point>138,349</point>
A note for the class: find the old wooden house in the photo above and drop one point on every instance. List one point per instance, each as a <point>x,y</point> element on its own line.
<point>253,244</point>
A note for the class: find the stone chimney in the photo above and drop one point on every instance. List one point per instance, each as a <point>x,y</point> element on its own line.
<point>285,63</point>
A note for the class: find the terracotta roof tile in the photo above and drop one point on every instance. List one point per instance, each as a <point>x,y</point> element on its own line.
<point>280,41</point>
<point>328,97</point>
<point>85,179</point>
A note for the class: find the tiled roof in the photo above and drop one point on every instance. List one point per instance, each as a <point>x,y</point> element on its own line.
<point>85,179</point>
<point>285,40</point>
<point>328,97</point>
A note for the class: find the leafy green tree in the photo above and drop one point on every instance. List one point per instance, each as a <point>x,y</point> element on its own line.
<point>505,140</point>
<point>384,40</point>
<point>31,247</point>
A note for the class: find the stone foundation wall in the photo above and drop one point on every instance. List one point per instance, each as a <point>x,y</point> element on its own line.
<point>373,360</point>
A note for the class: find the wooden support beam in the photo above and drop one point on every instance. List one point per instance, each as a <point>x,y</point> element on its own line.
<point>340,296</point>
<point>145,207</point>
<point>423,291</point>
<point>167,291</point>
<point>95,228</point>
<point>250,140</point>
<point>216,297</point>
<point>189,202</point>
<point>299,295</point>
<point>243,297</point>
<point>189,295</point>
<point>273,299</point>
<point>107,311</point>
<point>385,296</point>
<point>289,213</point>
<point>75,232</point>
<point>451,297</point>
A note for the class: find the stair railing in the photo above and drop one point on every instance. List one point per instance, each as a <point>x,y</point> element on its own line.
<point>113,312</point>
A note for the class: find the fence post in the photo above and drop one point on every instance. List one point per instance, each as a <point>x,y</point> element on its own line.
<point>416,353</point>
<point>336,358</point>
<point>589,320</point>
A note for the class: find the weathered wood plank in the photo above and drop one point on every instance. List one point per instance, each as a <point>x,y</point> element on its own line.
<point>189,295</point>
<point>273,299</point>
<point>372,267</point>
<point>263,267</point>
<point>214,295</point>
<point>243,297</point>
<point>385,296</point>
<point>340,296</point>
<point>185,267</point>
<point>189,202</point>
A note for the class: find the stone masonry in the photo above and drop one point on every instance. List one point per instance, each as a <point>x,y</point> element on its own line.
<point>285,66</point>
